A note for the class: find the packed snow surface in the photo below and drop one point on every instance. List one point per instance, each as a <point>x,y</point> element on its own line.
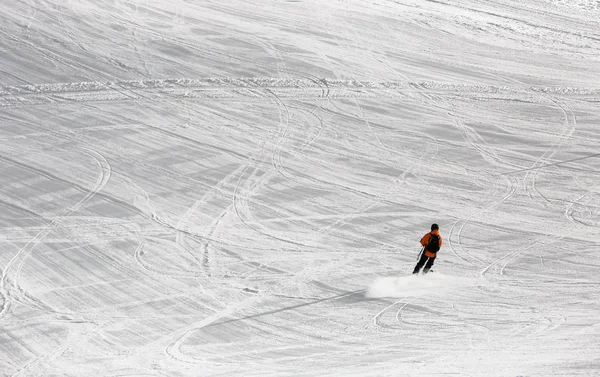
<point>418,285</point>
<point>238,188</point>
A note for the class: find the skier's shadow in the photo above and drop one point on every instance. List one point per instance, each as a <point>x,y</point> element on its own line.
<point>348,297</point>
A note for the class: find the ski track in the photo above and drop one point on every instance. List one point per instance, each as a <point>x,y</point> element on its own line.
<point>15,292</point>
<point>565,135</point>
<point>235,248</point>
<point>205,245</point>
<point>248,185</point>
<point>474,141</point>
<point>388,191</point>
<point>234,89</point>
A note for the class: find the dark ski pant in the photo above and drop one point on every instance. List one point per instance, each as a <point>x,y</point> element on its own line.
<point>424,260</point>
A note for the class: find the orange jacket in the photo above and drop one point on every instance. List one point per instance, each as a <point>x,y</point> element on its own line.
<point>425,242</point>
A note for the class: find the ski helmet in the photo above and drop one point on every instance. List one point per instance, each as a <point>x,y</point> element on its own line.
<point>434,227</point>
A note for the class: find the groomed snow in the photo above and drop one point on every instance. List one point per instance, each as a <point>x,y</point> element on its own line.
<point>238,188</point>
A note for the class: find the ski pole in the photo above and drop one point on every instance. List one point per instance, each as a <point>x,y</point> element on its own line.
<point>420,253</point>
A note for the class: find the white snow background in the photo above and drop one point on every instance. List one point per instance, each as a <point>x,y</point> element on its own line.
<point>238,188</point>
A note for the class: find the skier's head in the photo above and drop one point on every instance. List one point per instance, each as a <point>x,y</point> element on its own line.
<point>434,227</point>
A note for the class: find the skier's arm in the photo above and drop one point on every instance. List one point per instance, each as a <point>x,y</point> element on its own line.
<point>425,239</point>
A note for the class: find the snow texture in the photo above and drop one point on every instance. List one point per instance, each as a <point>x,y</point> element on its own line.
<point>420,285</point>
<point>238,188</point>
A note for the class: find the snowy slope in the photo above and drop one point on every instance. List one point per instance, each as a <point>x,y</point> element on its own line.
<point>218,188</point>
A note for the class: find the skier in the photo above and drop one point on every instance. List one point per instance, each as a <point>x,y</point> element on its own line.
<point>431,243</point>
